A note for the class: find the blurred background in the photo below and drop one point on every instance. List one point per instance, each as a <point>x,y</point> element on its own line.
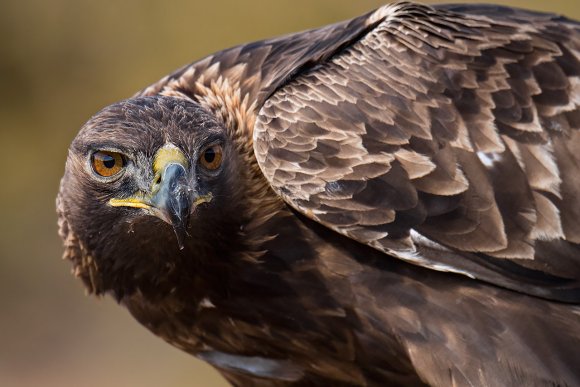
<point>60,62</point>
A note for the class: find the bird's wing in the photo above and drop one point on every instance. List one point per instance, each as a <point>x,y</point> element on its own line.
<point>448,137</point>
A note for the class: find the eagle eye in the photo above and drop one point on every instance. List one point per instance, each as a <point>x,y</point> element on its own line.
<point>107,163</point>
<point>211,157</point>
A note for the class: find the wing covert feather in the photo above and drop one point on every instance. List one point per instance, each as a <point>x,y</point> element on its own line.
<point>441,129</point>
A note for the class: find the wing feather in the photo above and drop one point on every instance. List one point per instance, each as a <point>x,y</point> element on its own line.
<point>440,125</point>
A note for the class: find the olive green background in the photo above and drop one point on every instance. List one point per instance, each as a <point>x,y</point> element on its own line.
<point>60,62</point>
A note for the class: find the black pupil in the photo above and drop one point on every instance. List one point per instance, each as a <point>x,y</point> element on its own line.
<point>108,161</point>
<point>209,155</point>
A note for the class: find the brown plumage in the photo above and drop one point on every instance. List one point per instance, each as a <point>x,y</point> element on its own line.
<point>388,200</point>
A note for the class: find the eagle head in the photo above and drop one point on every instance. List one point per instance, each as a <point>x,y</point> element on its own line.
<point>151,186</point>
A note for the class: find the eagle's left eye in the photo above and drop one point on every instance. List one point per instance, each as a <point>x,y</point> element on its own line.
<point>106,163</point>
<point>211,157</point>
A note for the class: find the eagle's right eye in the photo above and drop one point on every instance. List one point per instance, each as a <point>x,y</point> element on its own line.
<point>107,163</point>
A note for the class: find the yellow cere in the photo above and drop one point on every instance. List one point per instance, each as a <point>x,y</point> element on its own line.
<point>168,154</point>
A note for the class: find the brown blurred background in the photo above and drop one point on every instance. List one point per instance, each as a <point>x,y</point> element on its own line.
<point>60,62</point>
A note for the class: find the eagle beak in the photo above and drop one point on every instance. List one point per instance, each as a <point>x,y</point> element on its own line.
<point>173,200</point>
<point>172,197</point>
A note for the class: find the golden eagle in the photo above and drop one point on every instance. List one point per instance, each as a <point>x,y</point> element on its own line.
<point>389,200</point>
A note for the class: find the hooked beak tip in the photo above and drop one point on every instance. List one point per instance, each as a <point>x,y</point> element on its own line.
<point>181,234</point>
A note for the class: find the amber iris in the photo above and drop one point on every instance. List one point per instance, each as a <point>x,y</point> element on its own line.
<point>107,163</point>
<point>211,158</point>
